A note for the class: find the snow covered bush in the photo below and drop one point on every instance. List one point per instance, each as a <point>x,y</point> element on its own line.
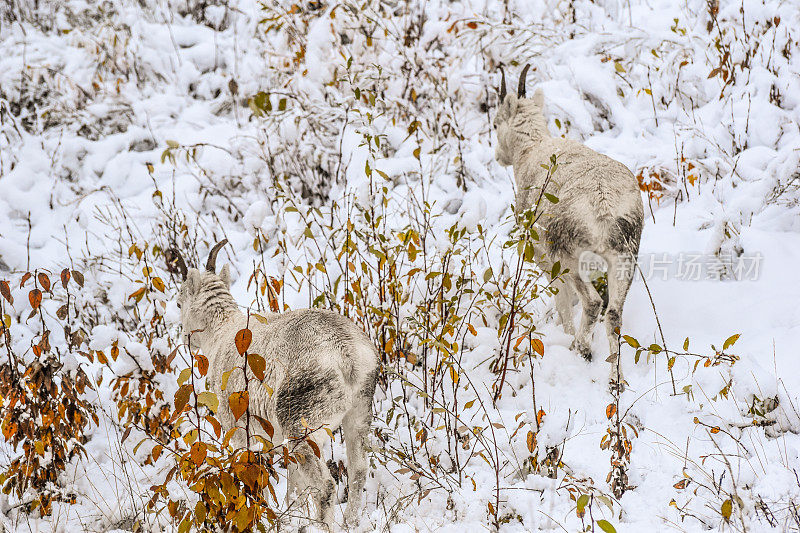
<point>341,146</point>
<point>46,411</point>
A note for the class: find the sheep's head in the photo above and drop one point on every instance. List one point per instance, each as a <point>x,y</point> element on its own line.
<point>203,294</point>
<point>517,115</point>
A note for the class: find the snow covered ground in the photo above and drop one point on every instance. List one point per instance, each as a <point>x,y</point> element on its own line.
<point>120,121</point>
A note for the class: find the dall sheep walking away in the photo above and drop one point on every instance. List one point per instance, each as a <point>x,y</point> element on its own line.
<point>599,211</point>
<point>320,365</point>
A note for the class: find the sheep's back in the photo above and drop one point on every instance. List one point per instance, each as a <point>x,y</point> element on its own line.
<point>594,193</point>
<point>316,361</point>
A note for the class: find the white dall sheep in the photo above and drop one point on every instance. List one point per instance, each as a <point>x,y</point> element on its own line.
<point>320,365</point>
<point>599,210</point>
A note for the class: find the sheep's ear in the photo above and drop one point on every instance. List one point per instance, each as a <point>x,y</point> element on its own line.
<point>538,98</point>
<point>225,275</point>
<point>192,279</point>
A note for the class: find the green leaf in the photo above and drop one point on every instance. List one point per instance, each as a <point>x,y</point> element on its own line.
<point>487,275</point>
<point>605,526</point>
<point>618,67</point>
<point>552,198</point>
<point>582,501</point>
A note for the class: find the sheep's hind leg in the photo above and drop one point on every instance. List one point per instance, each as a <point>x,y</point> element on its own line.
<point>564,302</point>
<point>592,303</point>
<point>620,276</point>
<point>356,426</point>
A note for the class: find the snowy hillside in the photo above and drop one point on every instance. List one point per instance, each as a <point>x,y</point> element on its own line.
<point>346,151</point>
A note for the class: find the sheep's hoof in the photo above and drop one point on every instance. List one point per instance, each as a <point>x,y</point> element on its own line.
<point>584,350</point>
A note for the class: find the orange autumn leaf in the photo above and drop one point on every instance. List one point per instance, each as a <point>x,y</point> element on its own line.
<point>243,339</point>
<point>35,298</point>
<point>538,346</point>
<point>611,410</point>
<point>5,290</point>
<point>198,453</point>
<point>202,364</point>
<point>238,402</point>
<point>44,281</point>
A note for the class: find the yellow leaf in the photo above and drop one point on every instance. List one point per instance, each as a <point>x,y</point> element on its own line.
<point>184,375</point>
<point>209,399</point>
<point>225,377</point>
<point>200,513</point>
<point>531,441</point>
<point>730,341</point>
<point>257,364</point>
<point>454,375</point>
<point>727,509</point>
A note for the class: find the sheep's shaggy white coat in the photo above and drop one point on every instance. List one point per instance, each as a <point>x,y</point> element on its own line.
<point>599,210</point>
<point>320,365</point>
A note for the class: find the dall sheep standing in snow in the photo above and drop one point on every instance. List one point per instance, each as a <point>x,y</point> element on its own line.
<point>599,211</point>
<point>320,365</point>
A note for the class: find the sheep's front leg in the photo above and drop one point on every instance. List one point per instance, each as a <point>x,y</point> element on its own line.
<point>311,477</point>
<point>592,304</point>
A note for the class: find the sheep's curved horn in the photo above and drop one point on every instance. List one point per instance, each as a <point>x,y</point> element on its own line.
<point>175,262</point>
<point>522,79</point>
<point>502,84</point>
<point>211,265</point>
